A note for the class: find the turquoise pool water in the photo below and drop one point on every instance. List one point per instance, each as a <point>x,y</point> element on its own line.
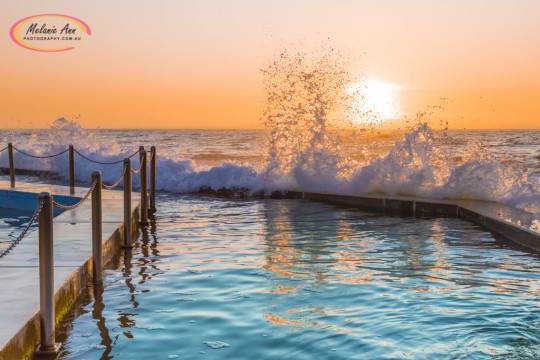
<point>292,279</point>
<point>12,223</point>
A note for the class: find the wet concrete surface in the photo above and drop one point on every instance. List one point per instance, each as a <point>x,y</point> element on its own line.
<point>19,270</point>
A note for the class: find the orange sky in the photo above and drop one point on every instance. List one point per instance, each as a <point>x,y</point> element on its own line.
<point>195,64</point>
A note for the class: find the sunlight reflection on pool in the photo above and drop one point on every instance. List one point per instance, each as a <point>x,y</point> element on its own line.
<point>292,279</point>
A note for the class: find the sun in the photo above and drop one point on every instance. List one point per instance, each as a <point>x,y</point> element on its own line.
<point>375,99</point>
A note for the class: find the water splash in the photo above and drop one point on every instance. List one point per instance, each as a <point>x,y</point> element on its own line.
<point>310,103</point>
<point>310,109</point>
<point>59,136</point>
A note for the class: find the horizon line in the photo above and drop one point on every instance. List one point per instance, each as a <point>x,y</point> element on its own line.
<point>199,129</point>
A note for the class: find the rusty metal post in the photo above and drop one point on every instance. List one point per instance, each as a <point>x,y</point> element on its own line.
<point>96,228</point>
<point>153,180</point>
<point>71,170</point>
<point>127,203</point>
<point>144,191</point>
<point>48,345</point>
<point>11,165</point>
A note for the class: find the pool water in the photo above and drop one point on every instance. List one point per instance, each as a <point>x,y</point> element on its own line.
<point>12,223</point>
<point>293,279</point>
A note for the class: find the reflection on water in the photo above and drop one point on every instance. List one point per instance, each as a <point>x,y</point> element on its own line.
<point>290,279</point>
<point>12,221</point>
<point>97,314</point>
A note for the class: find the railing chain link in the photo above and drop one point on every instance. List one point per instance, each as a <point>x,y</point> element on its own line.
<point>110,187</point>
<point>23,233</point>
<point>135,153</point>
<point>67,207</point>
<point>64,151</point>
<point>74,206</point>
<point>38,156</point>
<point>103,162</point>
<point>139,169</point>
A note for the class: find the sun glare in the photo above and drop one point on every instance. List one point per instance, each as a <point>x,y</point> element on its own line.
<point>380,99</point>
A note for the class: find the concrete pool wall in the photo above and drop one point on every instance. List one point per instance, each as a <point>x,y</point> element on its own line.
<point>514,224</point>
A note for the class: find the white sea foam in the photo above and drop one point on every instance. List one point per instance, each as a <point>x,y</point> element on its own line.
<point>412,166</point>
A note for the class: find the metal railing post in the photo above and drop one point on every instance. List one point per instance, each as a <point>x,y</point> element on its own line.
<point>96,228</point>
<point>46,278</point>
<point>153,180</point>
<point>144,193</point>
<point>11,165</point>
<point>127,203</point>
<point>71,170</point>
<point>141,149</point>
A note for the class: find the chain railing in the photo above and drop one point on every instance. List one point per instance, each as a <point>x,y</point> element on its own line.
<point>40,156</point>
<point>147,200</point>
<point>44,211</point>
<point>139,169</point>
<point>125,176</point>
<point>23,233</point>
<point>72,151</point>
<point>74,206</point>
<point>110,187</point>
<point>104,162</point>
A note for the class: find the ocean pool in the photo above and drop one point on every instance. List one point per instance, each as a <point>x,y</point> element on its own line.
<point>12,223</point>
<point>292,279</point>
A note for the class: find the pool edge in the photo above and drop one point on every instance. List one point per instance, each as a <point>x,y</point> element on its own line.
<point>22,345</point>
<point>498,218</point>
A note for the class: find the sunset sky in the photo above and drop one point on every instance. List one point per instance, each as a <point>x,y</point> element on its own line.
<point>196,64</point>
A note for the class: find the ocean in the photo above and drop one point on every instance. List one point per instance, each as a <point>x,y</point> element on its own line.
<point>497,165</point>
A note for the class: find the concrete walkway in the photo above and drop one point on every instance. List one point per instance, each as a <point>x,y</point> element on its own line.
<point>19,270</point>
